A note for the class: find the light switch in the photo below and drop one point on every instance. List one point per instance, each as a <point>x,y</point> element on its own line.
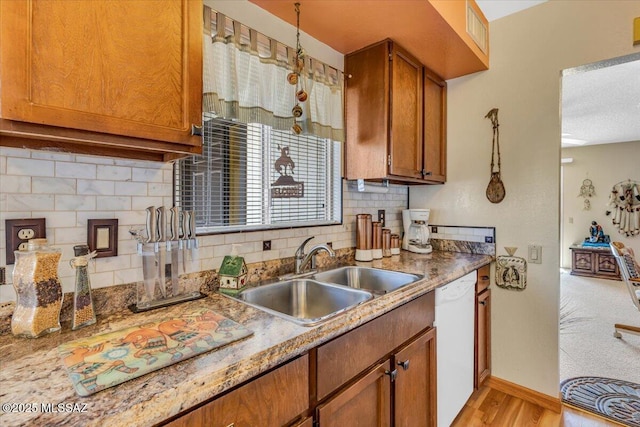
<point>535,254</point>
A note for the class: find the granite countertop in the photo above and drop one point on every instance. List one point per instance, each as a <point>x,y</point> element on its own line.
<point>32,374</point>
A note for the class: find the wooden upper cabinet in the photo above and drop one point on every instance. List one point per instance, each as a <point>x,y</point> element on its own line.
<point>98,75</point>
<point>405,141</point>
<point>435,128</point>
<point>395,112</point>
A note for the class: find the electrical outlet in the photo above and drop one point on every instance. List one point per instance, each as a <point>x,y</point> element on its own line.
<point>20,231</point>
<point>266,245</point>
<point>382,216</point>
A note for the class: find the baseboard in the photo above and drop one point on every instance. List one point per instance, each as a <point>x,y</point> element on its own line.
<point>551,403</point>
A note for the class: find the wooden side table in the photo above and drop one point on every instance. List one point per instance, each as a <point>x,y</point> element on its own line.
<point>594,262</point>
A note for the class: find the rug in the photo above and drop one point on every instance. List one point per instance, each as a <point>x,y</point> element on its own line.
<point>109,359</point>
<point>616,400</point>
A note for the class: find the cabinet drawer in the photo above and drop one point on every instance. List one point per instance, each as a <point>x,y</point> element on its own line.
<point>274,399</point>
<point>340,360</point>
<point>484,278</point>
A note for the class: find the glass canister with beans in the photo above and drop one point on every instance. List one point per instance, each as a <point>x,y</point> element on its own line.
<point>38,290</point>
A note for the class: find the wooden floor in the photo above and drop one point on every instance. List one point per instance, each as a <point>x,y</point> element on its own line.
<point>490,407</point>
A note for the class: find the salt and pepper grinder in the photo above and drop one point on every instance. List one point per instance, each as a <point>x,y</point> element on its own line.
<point>386,242</point>
<point>83,310</point>
<point>376,251</point>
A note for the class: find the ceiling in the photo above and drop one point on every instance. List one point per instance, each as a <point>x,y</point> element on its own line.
<point>600,102</point>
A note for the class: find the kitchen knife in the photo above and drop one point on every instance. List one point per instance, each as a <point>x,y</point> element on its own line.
<point>161,250</point>
<point>148,255</point>
<point>174,230</point>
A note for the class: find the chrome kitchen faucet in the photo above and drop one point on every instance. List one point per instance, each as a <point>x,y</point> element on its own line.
<point>303,259</point>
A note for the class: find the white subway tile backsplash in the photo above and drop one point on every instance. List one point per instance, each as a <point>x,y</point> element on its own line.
<point>93,187</point>
<point>96,187</point>
<point>147,175</point>
<point>14,152</point>
<point>30,167</point>
<point>75,170</point>
<point>30,202</point>
<point>130,188</point>
<point>61,219</point>
<point>53,185</point>
<point>141,203</point>
<point>114,173</point>
<point>75,203</point>
<point>49,155</point>
<point>96,160</point>
<point>17,183</point>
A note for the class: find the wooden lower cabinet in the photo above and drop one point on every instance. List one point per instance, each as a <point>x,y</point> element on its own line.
<point>404,343</point>
<point>366,403</point>
<point>483,338</point>
<point>274,399</point>
<point>415,383</point>
<point>594,262</point>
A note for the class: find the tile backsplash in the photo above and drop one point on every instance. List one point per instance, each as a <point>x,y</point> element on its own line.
<point>68,190</point>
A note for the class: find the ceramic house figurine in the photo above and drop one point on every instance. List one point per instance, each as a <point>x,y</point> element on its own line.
<point>233,273</point>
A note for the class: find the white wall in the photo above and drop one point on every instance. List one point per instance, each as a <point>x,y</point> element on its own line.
<point>605,165</point>
<point>528,51</point>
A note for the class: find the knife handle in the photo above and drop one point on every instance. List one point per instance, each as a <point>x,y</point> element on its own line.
<point>162,224</point>
<point>192,224</point>
<point>185,225</point>
<point>151,224</point>
<point>174,223</point>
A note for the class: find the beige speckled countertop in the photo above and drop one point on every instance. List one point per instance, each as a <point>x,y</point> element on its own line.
<point>31,372</point>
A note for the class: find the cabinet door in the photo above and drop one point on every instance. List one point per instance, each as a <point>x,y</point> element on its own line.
<point>415,385</point>
<point>606,265</point>
<point>483,337</point>
<point>435,127</point>
<point>129,68</point>
<point>405,143</point>
<point>273,399</point>
<point>367,403</point>
<point>582,263</point>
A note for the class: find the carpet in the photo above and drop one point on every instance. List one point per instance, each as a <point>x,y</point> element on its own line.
<point>616,400</point>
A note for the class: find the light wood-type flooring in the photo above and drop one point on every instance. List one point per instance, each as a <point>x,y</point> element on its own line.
<point>490,407</point>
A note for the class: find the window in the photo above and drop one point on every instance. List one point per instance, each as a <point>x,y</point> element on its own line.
<point>252,177</point>
<point>254,172</point>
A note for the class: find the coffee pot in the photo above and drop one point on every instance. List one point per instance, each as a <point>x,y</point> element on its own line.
<point>416,230</point>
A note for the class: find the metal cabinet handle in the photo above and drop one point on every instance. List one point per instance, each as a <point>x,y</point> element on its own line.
<point>484,277</point>
<point>405,365</point>
<point>482,302</point>
<point>196,130</point>
<point>425,173</point>
<point>393,374</point>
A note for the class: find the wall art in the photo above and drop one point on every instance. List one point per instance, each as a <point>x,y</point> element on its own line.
<point>511,271</point>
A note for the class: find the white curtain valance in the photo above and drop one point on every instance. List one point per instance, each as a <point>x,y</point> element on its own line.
<point>245,78</point>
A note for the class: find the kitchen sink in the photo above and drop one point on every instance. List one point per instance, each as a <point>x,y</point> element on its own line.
<point>304,301</point>
<point>372,279</point>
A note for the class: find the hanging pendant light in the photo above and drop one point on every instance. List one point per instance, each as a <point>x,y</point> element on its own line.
<point>296,77</point>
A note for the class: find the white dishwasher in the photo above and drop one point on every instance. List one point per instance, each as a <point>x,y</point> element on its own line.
<point>455,308</point>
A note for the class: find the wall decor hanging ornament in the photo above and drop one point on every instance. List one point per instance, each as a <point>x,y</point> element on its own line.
<point>511,270</point>
<point>495,189</point>
<point>296,77</point>
<point>587,190</point>
<point>625,203</point>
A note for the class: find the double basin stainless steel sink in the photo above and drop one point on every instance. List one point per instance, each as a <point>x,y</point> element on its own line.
<point>318,297</point>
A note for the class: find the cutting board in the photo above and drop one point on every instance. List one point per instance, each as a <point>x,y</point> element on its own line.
<point>109,359</point>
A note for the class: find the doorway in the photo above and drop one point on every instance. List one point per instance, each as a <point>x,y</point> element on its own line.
<point>601,145</point>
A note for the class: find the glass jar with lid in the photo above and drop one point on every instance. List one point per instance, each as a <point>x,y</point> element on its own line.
<point>38,290</point>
